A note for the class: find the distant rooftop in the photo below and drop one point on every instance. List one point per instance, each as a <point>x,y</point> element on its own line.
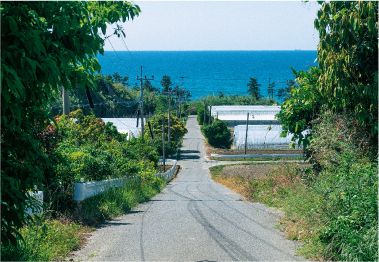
<point>125,125</point>
<point>239,113</point>
<point>243,117</point>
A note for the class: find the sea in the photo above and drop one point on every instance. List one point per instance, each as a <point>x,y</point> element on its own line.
<point>205,73</point>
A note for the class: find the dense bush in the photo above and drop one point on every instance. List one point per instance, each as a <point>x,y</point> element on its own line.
<point>218,134</point>
<point>157,144</point>
<point>200,114</point>
<point>335,134</point>
<point>349,194</point>
<point>90,149</point>
<point>177,131</point>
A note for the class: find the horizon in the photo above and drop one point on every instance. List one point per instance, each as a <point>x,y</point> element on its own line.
<point>208,50</point>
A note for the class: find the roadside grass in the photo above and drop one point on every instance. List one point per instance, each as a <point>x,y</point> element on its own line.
<point>114,202</point>
<point>333,213</point>
<point>47,239</point>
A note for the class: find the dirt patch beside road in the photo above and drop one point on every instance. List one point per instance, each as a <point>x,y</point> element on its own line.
<point>248,171</point>
<point>239,177</point>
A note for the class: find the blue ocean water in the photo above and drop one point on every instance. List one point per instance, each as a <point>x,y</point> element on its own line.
<point>209,72</point>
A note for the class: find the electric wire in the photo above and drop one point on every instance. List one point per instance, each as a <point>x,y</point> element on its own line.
<point>124,103</point>
<point>120,101</point>
<point>129,52</point>
<point>114,63</point>
<point>119,57</point>
<point>113,113</point>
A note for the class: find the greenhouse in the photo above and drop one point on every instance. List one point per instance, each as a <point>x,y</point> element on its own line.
<point>259,136</point>
<point>237,115</point>
<point>243,110</point>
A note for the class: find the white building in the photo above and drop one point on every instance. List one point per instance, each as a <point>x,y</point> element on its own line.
<point>126,125</point>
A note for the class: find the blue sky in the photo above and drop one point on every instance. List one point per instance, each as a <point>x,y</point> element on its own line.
<point>220,25</point>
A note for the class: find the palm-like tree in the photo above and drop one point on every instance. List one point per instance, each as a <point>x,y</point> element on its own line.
<point>254,90</point>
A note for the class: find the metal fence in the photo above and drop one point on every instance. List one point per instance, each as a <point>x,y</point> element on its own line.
<point>89,189</point>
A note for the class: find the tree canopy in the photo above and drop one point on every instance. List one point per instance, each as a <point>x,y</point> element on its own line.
<point>348,57</point>
<point>254,90</point>
<point>166,84</point>
<point>346,79</point>
<point>44,45</point>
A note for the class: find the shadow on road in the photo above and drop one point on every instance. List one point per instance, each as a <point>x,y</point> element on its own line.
<point>108,224</point>
<point>189,154</point>
<point>189,157</point>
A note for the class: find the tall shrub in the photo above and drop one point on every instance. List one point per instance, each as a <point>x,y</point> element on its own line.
<point>200,114</point>
<point>218,134</point>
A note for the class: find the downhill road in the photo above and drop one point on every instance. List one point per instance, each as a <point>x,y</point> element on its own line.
<point>193,219</point>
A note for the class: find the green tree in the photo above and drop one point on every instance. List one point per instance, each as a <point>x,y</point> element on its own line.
<point>147,86</point>
<point>166,84</point>
<point>281,93</point>
<point>116,77</point>
<point>302,106</point>
<point>347,55</point>
<point>347,77</point>
<point>254,90</point>
<point>45,45</point>
<point>271,89</point>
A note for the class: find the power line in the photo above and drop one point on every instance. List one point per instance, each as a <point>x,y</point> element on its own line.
<point>114,115</point>
<point>114,63</point>
<point>119,57</point>
<point>121,101</point>
<point>129,51</point>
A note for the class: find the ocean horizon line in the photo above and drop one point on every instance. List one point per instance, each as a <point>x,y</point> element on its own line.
<point>208,50</point>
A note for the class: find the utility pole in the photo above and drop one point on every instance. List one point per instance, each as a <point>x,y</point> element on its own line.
<point>205,111</point>
<point>269,87</point>
<point>169,118</point>
<point>247,127</point>
<point>177,105</point>
<point>181,93</point>
<point>141,79</point>
<point>66,101</point>
<point>164,159</point>
<point>210,115</point>
<point>180,97</point>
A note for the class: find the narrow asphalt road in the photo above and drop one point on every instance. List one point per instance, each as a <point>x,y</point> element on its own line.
<point>193,219</point>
